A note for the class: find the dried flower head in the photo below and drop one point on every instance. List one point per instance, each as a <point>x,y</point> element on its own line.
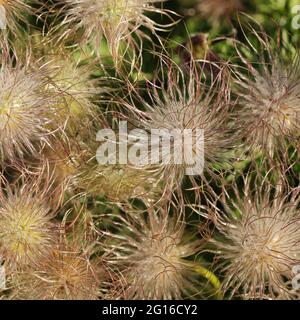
<point>219,9</point>
<point>25,111</point>
<point>75,90</point>
<point>116,20</point>
<point>26,230</point>
<point>260,243</point>
<point>189,126</point>
<point>66,274</point>
<point>150,254</point>
<point>270,99</point>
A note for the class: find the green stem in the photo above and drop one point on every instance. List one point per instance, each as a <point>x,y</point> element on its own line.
<point>212,278</point>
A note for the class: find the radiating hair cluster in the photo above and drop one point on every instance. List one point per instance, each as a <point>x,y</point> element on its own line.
<point>152,256</point>
<point>115,20</point>
<point>183,103</point>
<point>269,95</point>
<point>23,110</point>
<point>64,274</point>
<point>26,228</point>
<point>260,244</point>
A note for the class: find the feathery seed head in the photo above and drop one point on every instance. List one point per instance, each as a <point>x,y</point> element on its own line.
<point>187,105</point>
<point>151,256</point>
<point>74,89</point>
<point>25,111</point>
<point>270,99</point>
<point>260,244</point>
<point>26,230</point>
<point>116,20</point>
<point>63,275</point>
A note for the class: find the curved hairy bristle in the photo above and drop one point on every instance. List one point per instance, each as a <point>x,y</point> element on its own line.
<point>260,243</point>
<point>150,254</point>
